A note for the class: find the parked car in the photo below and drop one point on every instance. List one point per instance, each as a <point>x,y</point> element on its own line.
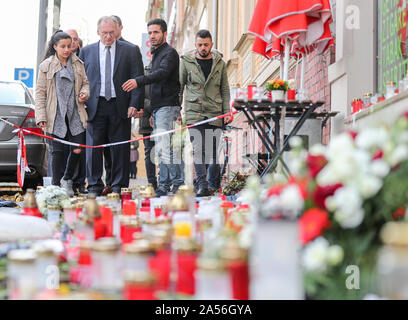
<point>17,106</point>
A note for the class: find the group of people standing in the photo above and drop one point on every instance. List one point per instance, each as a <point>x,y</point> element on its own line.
<point>89,96</point>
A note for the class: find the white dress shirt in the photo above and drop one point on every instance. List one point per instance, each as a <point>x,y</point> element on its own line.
<point>102,58</point>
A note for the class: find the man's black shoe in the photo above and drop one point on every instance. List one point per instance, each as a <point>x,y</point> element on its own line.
<point>82,190</point>
<point>160,193</point>
<point>203,192</point>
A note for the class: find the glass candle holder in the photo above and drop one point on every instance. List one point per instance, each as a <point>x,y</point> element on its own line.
<point>392,263</point>
<point>129,226</point>
<point>367,100</point>
<point>54,215</point>
<point>250,90</point>
<point>113,200</point>
<point>47,263</point>
<point>139,286</point>
<point>259,94</point>
<point>106,265</point>
<point>129,208</point>
<point>243,94</point>
<point>390,89</point>
<point>22,274</point>
<point>126,194</point>
<point>70,215</point>
<point>137,255</point>
<point>107,218</point>
<point>212,280</point>
<point>183,224</point>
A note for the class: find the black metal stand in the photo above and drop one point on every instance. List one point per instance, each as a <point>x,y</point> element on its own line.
<point>294,109</point>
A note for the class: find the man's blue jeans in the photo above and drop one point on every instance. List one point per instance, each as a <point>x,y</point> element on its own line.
<point>170,167</point>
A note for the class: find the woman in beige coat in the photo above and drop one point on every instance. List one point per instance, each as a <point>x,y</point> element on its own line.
<point>62,89</point>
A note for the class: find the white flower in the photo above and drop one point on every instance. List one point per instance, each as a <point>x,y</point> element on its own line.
<point>291,199</point>
<point>291,84</point>
<point>403,137</point>
<point>371,138</point>
<point>245,237</point>
<point>296,142</point>
<point>340,145</point>
<point>335,255</point>
<point>317,150</point>
<point>346,203</point>
<point>314,257</point>
<point>349,219</point>
<point>369,186</point>
<point>296,166</point>
<point>400,154</point>
<point>380,168</point>
<point>272,206</point>
<point>254,183</point>
<point>248,196</point>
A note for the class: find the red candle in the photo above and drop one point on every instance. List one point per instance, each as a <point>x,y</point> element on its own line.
<point>129,208</point>
<point>251,91</point>
<point>186,266</point>
<point>33,212</point>
<point>139,292</point>
<point>100,229</point>
<point>160,265</point>
<point>146,203</point>
<point>126,194</point>
<point>291,94</point>
<point>239,272</point>
<point>129,226</point>
<point>107,218</point>
<point>158,212</point>
<point>144,213</point>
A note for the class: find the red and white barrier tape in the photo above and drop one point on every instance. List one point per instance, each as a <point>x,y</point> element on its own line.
<point>22,165</point>
<point>22,131</point>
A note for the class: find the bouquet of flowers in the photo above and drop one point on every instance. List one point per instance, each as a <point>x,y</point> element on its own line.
<point>342,195</point>
<point>277,84</point>
<point>51,196</point>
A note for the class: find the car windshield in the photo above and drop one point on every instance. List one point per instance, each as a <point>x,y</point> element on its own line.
<point>13,93</point>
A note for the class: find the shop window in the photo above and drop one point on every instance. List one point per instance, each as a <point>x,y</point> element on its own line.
<point>392,63</point>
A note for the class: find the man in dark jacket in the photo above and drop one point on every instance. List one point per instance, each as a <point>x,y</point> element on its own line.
<point>164,90</point>
<point>146,130</point>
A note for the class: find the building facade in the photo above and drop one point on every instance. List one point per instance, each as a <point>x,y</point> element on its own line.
<point>228,21</point>
<point>370,50</point>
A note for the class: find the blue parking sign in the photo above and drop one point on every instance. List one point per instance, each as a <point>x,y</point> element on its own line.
<point>25,75</point>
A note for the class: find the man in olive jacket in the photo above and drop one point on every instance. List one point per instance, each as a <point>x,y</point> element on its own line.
<point>203,74</point>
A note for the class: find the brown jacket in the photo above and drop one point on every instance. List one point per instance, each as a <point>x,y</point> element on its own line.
<point>46,92</point>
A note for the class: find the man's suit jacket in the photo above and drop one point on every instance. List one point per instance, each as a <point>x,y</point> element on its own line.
<point>128,65</point>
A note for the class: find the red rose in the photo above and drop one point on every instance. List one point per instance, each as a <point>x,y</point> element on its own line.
<point>399,213</point>
<point>321,193</point>
<point>405,114</point>
<point>378,155</point>
<point>312,224</point>
<point>315,164</point>
<point>353,134</point>
<point>275,191</point>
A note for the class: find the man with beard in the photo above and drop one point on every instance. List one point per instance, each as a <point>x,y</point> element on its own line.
<point>163,79</point>
<point>204,75</point>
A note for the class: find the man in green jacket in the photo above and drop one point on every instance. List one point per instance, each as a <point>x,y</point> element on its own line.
<point>203,74</point>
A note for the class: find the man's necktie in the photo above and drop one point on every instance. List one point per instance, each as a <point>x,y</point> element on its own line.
<point>108,75</point>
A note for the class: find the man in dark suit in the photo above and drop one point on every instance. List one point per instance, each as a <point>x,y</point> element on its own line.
<point>106,151</point>
<point>108,64</point>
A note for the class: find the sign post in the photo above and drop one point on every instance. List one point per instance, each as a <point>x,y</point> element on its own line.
<point>25,75</point>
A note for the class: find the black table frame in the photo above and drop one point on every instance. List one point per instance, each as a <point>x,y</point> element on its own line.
<point>304,110</point>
